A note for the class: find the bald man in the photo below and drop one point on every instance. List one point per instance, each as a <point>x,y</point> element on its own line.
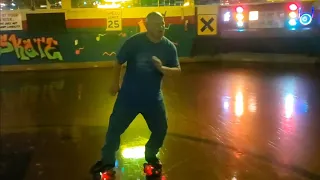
<point>149,57</point>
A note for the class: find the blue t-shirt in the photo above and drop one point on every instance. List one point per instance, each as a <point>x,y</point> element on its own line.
<point>142,79</point>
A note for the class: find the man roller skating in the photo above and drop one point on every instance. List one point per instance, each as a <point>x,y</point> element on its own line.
<point>149,57</point>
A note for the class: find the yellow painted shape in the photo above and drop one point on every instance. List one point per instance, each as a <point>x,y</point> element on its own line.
<point>204,28</point>
<point>142,26</point>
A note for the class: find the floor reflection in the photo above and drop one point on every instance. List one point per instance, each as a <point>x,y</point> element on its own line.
<point>224,123</point>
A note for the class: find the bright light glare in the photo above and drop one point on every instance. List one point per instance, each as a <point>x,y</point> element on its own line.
<point>225,105</point>
<point>107,6</point>
<point>239,104</point>
<point>239,17</point>
<point>293,7</point>
<point>240,23</point>
<point>252,104</point>
<point>292,22</point>
<point>239,9</point>
<point>289,105</point>
<point>253,15</point>
<point>133,152</point>
<point>293,15</point>
<point>186,4</point>
<point>226,16</point>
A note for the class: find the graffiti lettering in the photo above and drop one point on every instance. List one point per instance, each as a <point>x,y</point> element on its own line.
<point>5,47</point>
<point>26,49</point>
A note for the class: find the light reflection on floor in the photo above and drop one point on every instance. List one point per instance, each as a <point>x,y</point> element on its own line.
<point>223,124</point>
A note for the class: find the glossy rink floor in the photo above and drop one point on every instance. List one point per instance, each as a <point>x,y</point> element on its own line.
<point>248,123</point>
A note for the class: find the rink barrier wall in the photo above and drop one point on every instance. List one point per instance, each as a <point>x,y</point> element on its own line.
<point>85,43</point>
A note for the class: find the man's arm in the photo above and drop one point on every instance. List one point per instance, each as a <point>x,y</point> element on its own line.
<point>172,66</point>
<point>170,70</point>
<point>122,56</point>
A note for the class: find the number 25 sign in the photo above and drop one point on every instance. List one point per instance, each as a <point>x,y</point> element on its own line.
<point>114,20</point>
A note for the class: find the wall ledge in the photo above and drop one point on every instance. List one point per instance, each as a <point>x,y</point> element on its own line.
<point>61,66</point>
<point>227,57</point>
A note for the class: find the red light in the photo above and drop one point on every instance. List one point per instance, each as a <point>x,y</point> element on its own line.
<point>239,9</point>
<point>293,7</point>
<point>105,176</point>
<point>148,170</point>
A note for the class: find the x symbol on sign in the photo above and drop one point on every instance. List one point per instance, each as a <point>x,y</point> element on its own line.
<point>207,24</point>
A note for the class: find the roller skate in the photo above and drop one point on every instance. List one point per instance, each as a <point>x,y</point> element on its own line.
<point>101,172</point>
<point>153,169</point>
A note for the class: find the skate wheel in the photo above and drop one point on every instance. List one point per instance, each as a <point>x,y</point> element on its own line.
<point>104,176</point>
<point>107,175</point>
<point>148,169</point>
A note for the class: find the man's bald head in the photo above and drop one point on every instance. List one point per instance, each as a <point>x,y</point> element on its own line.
<point>155,25</point>
<point>153,16</point>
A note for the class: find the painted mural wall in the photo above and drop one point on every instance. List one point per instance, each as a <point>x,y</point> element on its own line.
<point>91,35</point>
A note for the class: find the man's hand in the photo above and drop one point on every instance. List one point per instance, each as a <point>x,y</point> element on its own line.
<point>163,69</point>
<point>114,89</point>
<point>157,62</point>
